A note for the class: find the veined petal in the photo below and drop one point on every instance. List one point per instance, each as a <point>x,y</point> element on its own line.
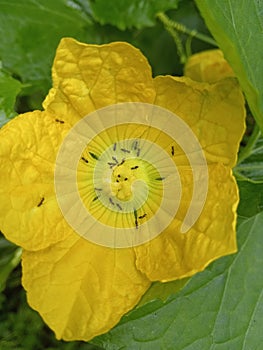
<point>174,254</point>
<point>89,77</point>
<point>215,113</point>
<point>29,214</point>
<point>208,66</point>
<point>125,180</point>
<point>82,289</point>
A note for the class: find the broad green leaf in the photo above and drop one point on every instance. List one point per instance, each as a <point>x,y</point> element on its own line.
<point>251,198</point>
<point>237,26</point>
<point>162,291</point>
<point>127,14</point>
<point>9,258</point>
<point>30,32</point>
<point>220,308</point>
<point>251,168</point>
<point>9,89</point>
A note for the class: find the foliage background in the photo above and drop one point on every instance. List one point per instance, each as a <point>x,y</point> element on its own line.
<point>220,308</point>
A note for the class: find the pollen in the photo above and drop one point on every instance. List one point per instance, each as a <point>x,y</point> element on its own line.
<point>122,182</point>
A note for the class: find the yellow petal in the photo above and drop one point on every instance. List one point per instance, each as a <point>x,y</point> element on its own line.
<point>82,289</point>
<point>208,66</point>
<point>29,214</point>
<point>215,113</point>
<point>174,254</point>
<point>88,77</point>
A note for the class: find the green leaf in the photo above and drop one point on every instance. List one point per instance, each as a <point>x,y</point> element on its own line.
<point>251,168</point>
<point>9,89</point>
<point>251,198</point>
<point>127,14</point>
<point>162,291</point>
<point>237,27</point>
<point>30,32</point>
<point>220,308</point>
<point>10,257</point>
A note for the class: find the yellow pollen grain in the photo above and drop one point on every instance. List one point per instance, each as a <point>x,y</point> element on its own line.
<point>122,180</point>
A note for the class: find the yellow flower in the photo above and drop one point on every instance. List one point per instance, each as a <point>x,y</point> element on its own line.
<point>208,66</point>
<point>127,175</point>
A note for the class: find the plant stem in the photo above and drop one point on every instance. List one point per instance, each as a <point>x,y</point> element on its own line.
<point>246,151</point>
<point>183,29</point>
<point>178,43</point>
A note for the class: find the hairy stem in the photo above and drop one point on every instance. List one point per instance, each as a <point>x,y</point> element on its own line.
<point>168,23</point>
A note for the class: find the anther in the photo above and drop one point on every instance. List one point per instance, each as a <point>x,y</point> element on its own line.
<point>118,206</point>
<point>111,164</point>
<point>41,202</point>
<point>84,159</point>
<point>135,145</point>
<point>94,156</point>
<point>142,216</point>
<point>59,121</point>
<point>136,218</point>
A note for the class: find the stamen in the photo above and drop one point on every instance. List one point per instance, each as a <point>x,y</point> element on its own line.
<point>134,167</point>
<point>136,218</point>
<point>94,156</point>
<point>160,178</point>
<point>59,121</point>
<point>142,216</point>
<point>111,164</point>
<point>138,152</point>
<point>95,198</point>
<point>84,159</point>
<point>125,150</point>
<point>116,160</point>
<point>41,202</point>
<point>118,206</point>
<point>172,151</point>
<point>111,201</point>
<point>114,147</point>
<point>135,145</point>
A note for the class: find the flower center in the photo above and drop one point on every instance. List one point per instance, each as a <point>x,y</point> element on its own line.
<point>116,176</point>
<point>122,180</point>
